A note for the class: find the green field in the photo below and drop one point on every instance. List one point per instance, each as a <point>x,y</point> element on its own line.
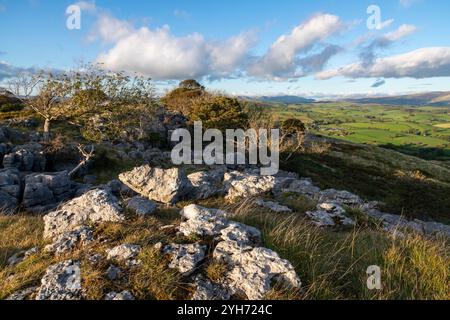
<point>419,131</point>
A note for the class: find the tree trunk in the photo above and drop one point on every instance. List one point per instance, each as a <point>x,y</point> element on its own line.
<point>46,135</point>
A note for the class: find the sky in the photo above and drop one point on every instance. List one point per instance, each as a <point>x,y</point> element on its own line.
<point>319,49</point>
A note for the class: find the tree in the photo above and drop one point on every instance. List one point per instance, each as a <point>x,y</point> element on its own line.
<point>52,91</point>
<point>220,112</point>
<point>183,98</point>
<point>293,132</point>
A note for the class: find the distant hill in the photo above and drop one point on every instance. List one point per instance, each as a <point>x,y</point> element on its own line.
<point>420,99</point>
<point>284,99</point>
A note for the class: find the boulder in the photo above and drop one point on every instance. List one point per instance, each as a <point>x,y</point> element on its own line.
<point>21,256</point>
<point>141,206</point>
<point>28,157</point>
<point>244,185</point>
<point>202,221</point>
<point>299,186</point>
<point>207,184</point>
<point>329,214</point>
<point>24,294</point>
<point>61,281</point>
<point>240,233</point>
<point>97,205</point>
<point>253,271</point>
<point>185,257</point>
<point>113,272</point>
<point>162,185</point>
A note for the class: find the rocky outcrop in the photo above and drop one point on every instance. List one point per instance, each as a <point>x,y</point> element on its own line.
<point>29,157</point>
<point>166,186</point>
<point>95,206</point>
<point>61,281</point>
<point>185,257</point>
<point>9,189</point>
<point>44,191</point>
<point>21,256</point>
<point>207,184</point>
<point>240,233</point>
<point>329,214</point>
<point>253,271</point>
<point>205,290</point>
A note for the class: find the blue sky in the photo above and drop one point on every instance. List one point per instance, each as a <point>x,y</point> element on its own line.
<point>310,48</point>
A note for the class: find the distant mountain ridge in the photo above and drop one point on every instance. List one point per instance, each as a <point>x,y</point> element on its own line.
<point>438,98</point>
<point>284,99</point>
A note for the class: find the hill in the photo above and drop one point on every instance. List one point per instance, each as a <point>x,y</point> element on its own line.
<point>420,99</point>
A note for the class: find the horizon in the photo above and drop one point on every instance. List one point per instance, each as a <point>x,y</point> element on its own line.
<point>321,50</point>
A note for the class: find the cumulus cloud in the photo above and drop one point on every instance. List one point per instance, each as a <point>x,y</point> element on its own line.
<point>160,54</point>
<point>369,52</point>
<point>8,71</point>
<point>281,60</point>
<point>419,64</point>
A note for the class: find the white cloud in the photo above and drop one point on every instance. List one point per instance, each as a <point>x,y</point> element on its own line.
<point>162,56</point>
<point>281,60</point>
<point>421,63</point>
<point>403,31</point>
<point>110,29</point>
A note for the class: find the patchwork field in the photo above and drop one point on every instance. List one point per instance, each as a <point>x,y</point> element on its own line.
<point>419,131</point>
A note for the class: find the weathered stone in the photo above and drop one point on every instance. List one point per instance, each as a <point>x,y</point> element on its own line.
<point>141,206</point>
<point>23,294</point>
<point>240,233</point>
<point>340,197</point>
<point>207,184</point>
<point>273,206</point>
<point>252,271</point>
<point>300,186</point>
<point>126,253</point>
<point>67,241</point>
<point>205,290</point>
<point>9,189</point>
<point>185,257</point>
<point>95,206</point>
<point>166,186</point>
<point>329,214</point>
<point>61,281</point>
<point>243,185</point>
<point>202,221</point>
<point>124,295</point>
<point>113,272</point>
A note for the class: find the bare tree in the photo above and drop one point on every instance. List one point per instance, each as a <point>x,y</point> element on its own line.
<point>87,156</point>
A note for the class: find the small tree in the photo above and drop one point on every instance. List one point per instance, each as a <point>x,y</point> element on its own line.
<point>183,98</point>
<point>51,94</point>
<point>293,132</point>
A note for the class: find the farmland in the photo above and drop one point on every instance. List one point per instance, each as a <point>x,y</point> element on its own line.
<point>419,131</point>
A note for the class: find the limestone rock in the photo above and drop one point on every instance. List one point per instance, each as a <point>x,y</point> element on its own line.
<point>23,294</point>
<point>96,206</point>
<point>126,253</point>
<point>340,197</point>
<point>21,256</point>
<point>166,186</point>
<point>240,233</point>
<point>329,214</point>
<point>185,257</point>
<point>244,185</point>
<point>271,205</point>
<point>124,295</point>
<point>205,290</point>
<point>207,184</point>
<point>141,206</point>
<point>113,272</point>
<point>67,241</point>
<point>253,270</point>
<point>61,281</point>
<point>9,189</point>
<point>202,221</point>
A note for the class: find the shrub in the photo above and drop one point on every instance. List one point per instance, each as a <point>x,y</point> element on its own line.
<point>9,107</point>
<point>219,112</point>
<point>183,98</point>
